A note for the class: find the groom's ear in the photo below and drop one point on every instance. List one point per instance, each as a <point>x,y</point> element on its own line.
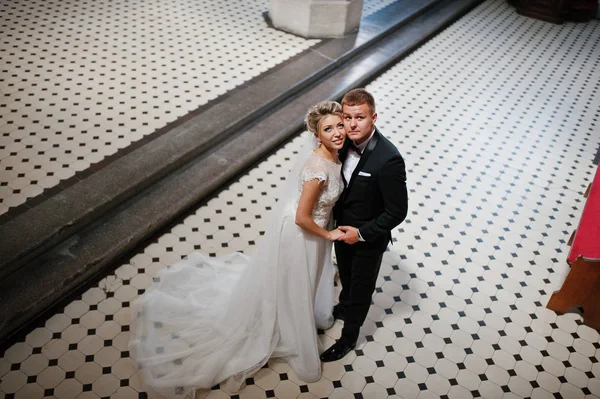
<point>374,117</point>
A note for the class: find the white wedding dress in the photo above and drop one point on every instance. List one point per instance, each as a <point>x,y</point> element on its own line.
<point>206,320</point>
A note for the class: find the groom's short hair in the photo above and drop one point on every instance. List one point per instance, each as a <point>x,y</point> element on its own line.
<point>358,97</point>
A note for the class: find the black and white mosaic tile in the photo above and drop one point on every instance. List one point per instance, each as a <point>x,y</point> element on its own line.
<point>81,80</point>
<point>497,120</point>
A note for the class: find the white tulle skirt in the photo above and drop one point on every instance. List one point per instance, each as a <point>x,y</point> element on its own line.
<point>206,320</point>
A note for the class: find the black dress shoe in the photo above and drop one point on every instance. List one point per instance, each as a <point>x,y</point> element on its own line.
<point>339,313</point>
<point>337,351</point>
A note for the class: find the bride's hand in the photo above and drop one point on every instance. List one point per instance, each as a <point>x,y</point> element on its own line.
<point>334,235</point>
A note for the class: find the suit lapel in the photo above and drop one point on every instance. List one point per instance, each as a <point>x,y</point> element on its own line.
<point>342,155</point>
<point>363,159</point>
<point>344,150</point>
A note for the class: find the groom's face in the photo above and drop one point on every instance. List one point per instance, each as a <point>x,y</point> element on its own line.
<point>359,122</point>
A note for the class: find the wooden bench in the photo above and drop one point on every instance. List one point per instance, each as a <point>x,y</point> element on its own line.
<point>557,11</point>
<point>582,285</point>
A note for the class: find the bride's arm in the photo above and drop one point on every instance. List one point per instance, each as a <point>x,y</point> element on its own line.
<point>310,193</point>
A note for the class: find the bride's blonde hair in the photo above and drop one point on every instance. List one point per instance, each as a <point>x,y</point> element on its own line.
<point>317,112</point>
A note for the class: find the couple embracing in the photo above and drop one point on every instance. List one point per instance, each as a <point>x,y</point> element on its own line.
<point>208,320</point>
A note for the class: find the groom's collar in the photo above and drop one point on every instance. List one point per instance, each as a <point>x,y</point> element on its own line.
<point>364,144</point>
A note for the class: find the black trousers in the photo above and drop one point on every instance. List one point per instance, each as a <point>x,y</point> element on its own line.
<point>358,267</point>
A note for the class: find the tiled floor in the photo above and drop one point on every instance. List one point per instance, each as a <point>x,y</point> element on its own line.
<point>81,80</point>
<point>496,118</point>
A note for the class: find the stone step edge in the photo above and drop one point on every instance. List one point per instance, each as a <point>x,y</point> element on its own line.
<point>90,254</point>
<point>59,217</point>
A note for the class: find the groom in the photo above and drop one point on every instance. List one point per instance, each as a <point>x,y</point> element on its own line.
<point>373,203</point>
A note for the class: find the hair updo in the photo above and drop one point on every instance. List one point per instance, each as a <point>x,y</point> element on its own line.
<point>317,112</point>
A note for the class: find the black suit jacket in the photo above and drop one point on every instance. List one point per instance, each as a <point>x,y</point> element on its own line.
<point>375,204</point>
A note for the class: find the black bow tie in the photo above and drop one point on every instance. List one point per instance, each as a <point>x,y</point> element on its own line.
<point>355,148</point>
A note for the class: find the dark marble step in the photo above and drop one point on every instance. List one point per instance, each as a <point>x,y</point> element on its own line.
<point>86,199</point>
<point>195,159</point>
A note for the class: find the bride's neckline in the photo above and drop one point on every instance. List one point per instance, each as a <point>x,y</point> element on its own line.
<point>325,159</point>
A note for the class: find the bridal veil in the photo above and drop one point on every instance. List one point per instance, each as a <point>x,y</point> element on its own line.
<point>208,320</point>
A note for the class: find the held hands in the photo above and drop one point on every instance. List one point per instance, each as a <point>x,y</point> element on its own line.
<point>350,235</point>
<point>335,235</point>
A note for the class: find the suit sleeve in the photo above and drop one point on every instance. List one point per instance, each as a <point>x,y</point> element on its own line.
<point>392,184</point>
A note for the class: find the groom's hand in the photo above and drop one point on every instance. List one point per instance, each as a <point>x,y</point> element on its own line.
<point>350,234</point>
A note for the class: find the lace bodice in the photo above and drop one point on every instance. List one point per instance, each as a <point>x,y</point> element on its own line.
<point>316,167</point>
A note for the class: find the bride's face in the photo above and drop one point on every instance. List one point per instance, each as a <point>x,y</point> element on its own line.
<point>332,132</point>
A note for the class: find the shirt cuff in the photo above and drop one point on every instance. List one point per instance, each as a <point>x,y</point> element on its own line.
<point>360,238</point>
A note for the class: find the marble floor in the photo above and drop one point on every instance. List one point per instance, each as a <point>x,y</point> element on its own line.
<point>496,118</point>
<point>82,80</point>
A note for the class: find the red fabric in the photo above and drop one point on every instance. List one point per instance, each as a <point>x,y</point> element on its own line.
<point>587,237</point>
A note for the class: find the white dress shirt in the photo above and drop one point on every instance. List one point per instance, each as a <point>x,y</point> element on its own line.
<point>352,158</point>
<point>350,163</point>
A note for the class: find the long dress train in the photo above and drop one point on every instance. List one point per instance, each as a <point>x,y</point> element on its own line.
<point>206,320</point>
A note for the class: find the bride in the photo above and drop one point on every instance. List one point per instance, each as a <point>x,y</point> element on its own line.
<point>206,320</point>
